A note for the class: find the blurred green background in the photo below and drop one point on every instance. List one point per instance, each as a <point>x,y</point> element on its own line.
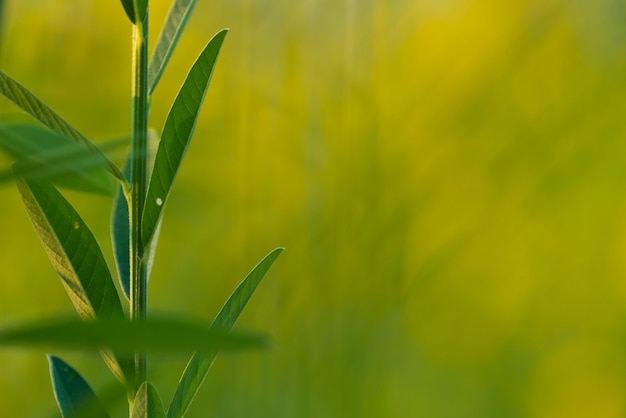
<point>448,177</point>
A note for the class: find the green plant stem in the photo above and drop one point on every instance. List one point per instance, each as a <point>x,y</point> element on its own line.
<point>139,140</point>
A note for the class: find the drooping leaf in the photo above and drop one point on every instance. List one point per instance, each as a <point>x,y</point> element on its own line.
<point>42,153</point>
<point>174,26</point>
<point>76,257</point>
<point>153,335</point>
<point>74,396</point>
<point>177,133</point>
<point>120,224</point>
<point>129,8</point>
<point>72,249</point>
<point>201,362</point>
<point>147,403</point>
<point>30,103</point>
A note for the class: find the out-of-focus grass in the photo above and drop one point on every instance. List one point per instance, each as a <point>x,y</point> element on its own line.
<point>448,178</point>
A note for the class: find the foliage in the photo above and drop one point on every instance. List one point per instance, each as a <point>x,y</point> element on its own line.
<point>58,155</point>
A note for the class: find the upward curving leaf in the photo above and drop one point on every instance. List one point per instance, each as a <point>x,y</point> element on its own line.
<point>177,133</point>
<point>201,362</point>
<point>30,103</point>
<point>120,224</point>
<point>120,234</point>
<point>72,249</point>
<point>172,30</point>
<point>147,403</point>
<point>76,257</point>
<point>73,394</point>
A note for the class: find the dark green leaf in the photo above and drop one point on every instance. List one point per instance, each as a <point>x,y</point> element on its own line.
<point>177,133</point>
<point>129,8</point>
<point>201,362</point>
<point>120,224</point>
<point>120,234</point>
<point>42,153</point>
<point>171,32</point>
<point>154,335</point>
<point>142,9</point>
<point>19,95</point>
<point>74,396</point>
<point>134,9</point>
<point>147,403</point>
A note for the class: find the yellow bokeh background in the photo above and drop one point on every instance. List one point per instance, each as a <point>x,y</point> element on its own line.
<point>448,178</point>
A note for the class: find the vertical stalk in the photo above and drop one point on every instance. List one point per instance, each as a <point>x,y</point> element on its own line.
<point>138,178</point>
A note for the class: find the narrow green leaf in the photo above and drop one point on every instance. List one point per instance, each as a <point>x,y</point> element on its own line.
<point>129,8</point>
<point>30,103</point>
<point>42,153</point>
<point>120,234</point>
<point>201,362</point>
<point>76,257</point>
<point>74,396</point>
<point>72,249</point>
<point>154,335</point>
<point>177,133</point>
<point>120,224</point>
<point>147,403</point>
<point>172,30</point>
<point>142,9</point>
<point>121,365</point>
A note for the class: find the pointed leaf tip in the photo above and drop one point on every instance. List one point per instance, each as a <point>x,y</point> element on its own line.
<point>134,9</point>
<point>148,403</point>
<point>129,8</point>
<point>73,394</point>
<point>201,362</point>
<point>177,132</point>
<point>172,30</point>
